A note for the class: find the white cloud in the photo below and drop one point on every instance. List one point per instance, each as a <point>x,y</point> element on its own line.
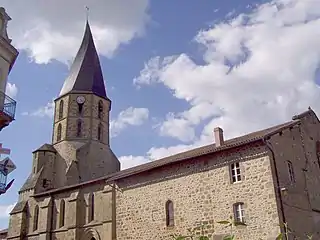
<point>177,127</point>
<point>11,90</point>
<point>53,29</point>
<point>259,69</point>
<point>130,116</point>
<point>5,210</point>
<point>154,154</point>
<point>131,161</point>
<point>45,111</point>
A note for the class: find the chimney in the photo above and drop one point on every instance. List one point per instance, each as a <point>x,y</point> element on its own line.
<point>218,136</point>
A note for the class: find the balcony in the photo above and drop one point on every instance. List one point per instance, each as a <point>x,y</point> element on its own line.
<point>7,110</point>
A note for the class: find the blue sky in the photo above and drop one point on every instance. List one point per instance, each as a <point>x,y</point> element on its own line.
<point>174,70</point>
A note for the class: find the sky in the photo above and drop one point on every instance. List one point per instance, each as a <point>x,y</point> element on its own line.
<point>174,71</point>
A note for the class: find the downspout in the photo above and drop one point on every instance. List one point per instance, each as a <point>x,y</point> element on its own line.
<point>305,169</point>
<point>269,146</point>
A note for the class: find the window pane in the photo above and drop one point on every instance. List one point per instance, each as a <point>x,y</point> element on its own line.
<point>239,212</point>
<point>169,213</point>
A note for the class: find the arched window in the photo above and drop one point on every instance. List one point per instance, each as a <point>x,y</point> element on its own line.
<point>169,214</point>
<point>91,207</point>
<point>318,152</point>
<point>60,109</point>
<point>291,172</point>
<point>59,129</point>
<point>100,132</point>
<point>80,108</point>
<point>100,109</point>
<point>79,128</point>
<point>62,213</point>
<point>35,218</point>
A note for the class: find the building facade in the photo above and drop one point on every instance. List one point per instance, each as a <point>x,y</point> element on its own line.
<point>8,55</point>
<point>76,190</point>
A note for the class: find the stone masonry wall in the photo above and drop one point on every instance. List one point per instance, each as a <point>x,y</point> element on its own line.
<point>7,54</point>
<point>78,225</point>
<point>201,190</point>
<point>104,119</point>
<point>4,68</point>
<point>63,120</point>
<point>74,116</point>
<point>301,198</point>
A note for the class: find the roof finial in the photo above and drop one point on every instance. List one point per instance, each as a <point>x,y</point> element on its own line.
<point>87,13</point>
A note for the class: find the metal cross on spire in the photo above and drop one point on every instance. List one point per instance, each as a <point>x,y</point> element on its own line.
<point>87,13</point>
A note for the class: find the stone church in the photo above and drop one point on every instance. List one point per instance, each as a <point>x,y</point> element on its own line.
<point>76,190</point>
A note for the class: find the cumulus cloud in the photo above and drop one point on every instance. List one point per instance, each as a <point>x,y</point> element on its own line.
<point>131,161</point>
<point>11,90</point>
<point>129,117</point>
<point>154,153</point>
<point>5,210</point>
<point>44,111</point>
<point>53,29</point>
<point>258,70</point>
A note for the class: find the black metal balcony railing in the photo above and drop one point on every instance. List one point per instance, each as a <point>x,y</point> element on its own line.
<point>7,105</point>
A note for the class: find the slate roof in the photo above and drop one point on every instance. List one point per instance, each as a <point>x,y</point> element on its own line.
<point>208,149</point>
<point>19,207</point>
<point>31,181</point>
<point>46,147</point>
<point>212,148</point>
<point>85,73</point>
<point>194,153</point>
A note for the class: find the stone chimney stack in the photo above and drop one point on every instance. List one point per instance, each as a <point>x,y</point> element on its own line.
<point>218,136</point>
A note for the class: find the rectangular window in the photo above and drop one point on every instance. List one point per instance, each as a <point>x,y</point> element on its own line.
<point>235,172</point>
<point>238,209</point>
<point>291,172</point>
<point>169,213</point>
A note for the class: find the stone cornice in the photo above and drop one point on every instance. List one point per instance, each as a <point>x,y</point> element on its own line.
<point>11,49</point>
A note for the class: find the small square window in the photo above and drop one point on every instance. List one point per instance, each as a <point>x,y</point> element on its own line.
<point>235,172</point>
<point>238,209</point>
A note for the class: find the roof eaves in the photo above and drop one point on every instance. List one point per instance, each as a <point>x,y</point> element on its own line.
<point>179,159</point>
<point>288,125</point>
<point>205,150</point>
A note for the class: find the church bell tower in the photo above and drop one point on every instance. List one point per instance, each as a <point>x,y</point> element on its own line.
<point>82,108</point>
<point>81,118</point>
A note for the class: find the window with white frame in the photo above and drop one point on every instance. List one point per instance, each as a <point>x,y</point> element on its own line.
<point>238,209</point>
<point>291,172</point>
<point>235,172</point>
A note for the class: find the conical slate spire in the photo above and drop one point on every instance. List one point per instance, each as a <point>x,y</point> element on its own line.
<point>85,73</point>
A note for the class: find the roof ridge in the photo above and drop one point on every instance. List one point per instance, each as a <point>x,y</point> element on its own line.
<point>206,149</point>
<point>197,152</point>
